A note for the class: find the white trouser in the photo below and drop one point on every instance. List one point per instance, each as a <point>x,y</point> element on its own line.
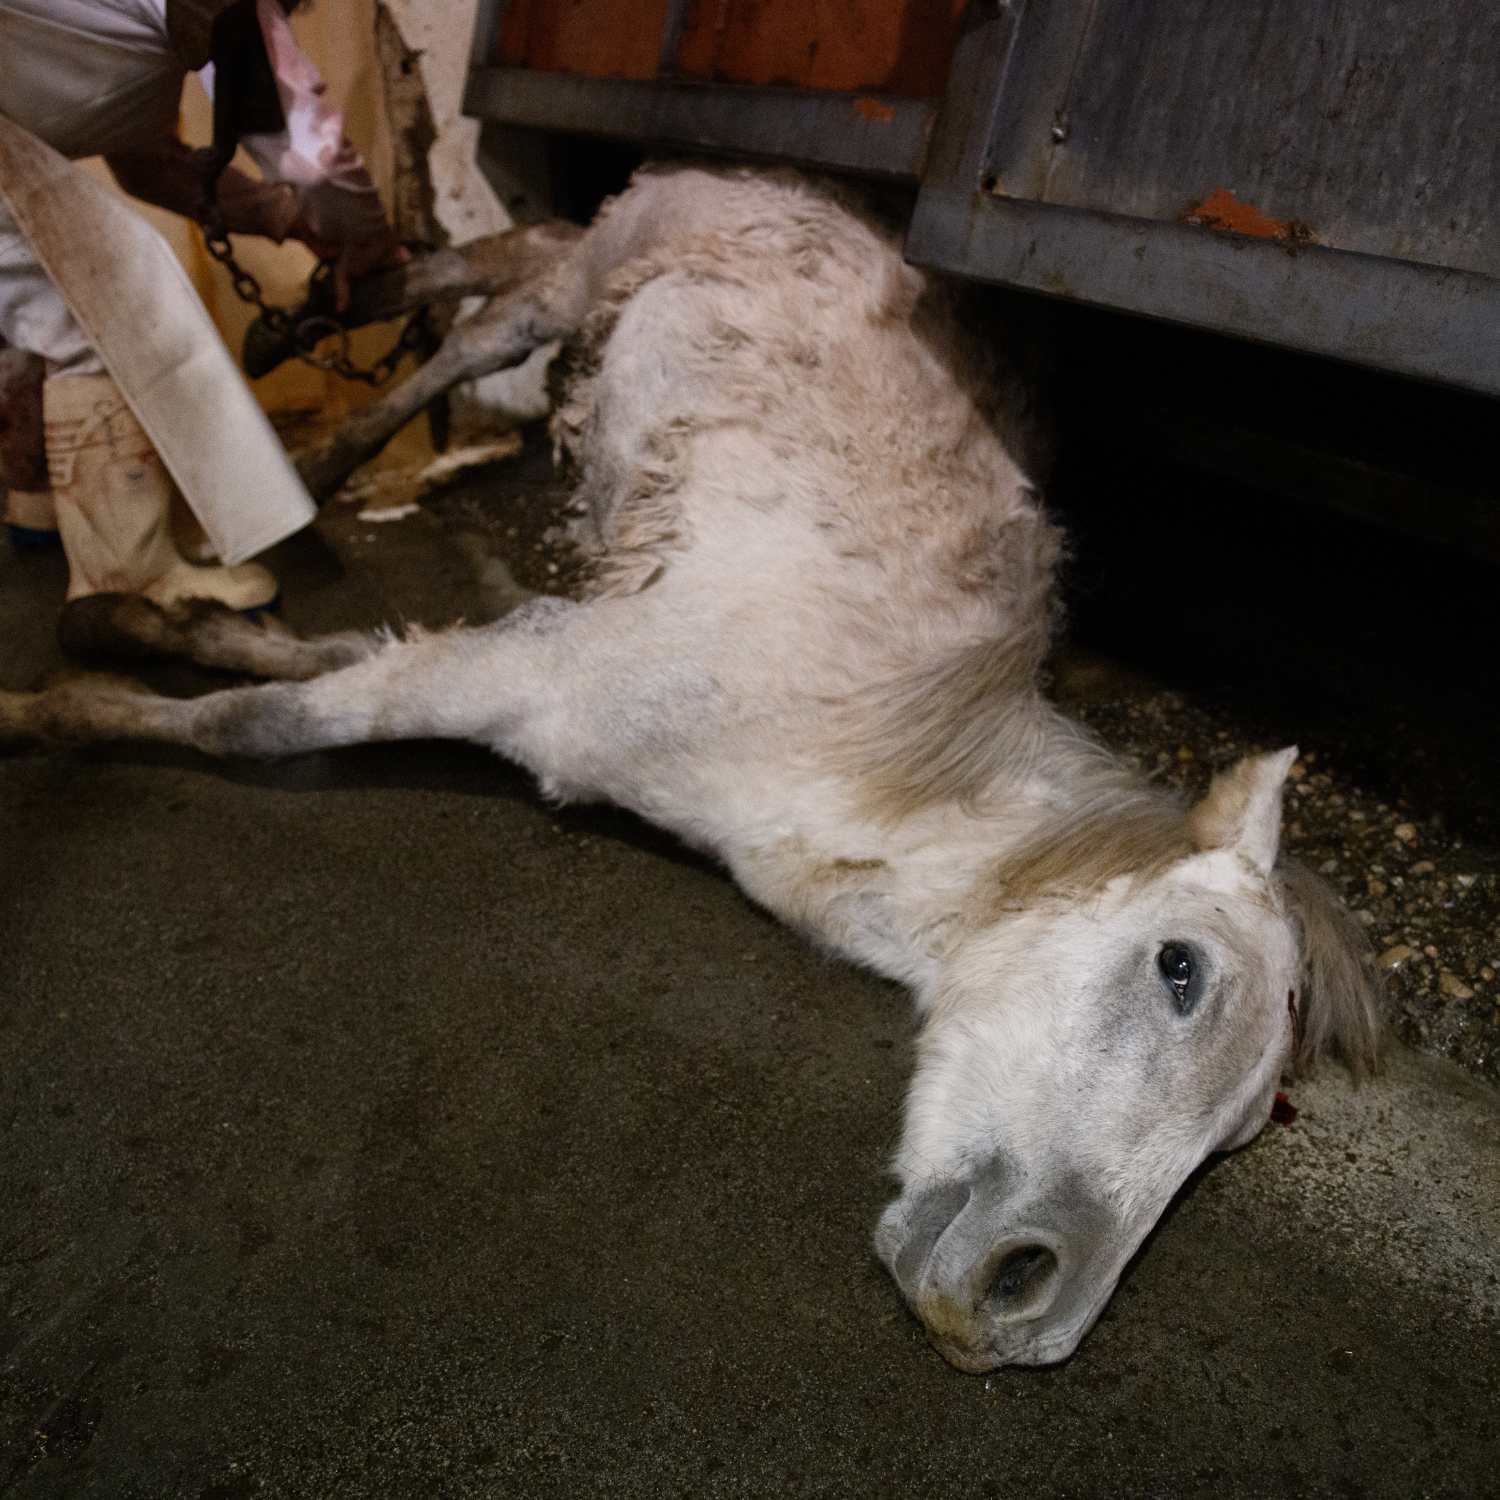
<point>87,77</point>
<point>33,315</point>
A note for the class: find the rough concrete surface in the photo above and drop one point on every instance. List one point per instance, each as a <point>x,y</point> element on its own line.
<point>370,1128</point>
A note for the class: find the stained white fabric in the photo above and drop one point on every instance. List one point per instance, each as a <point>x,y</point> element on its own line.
<point>89,77</point>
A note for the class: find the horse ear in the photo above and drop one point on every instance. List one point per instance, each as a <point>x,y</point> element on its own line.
<point>1242,809</point>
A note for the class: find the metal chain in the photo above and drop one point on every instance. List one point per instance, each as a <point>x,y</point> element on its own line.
<point>307,333</point>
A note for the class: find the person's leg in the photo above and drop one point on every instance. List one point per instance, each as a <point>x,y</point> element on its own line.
<point>110,494</point>
<point>29,515</point>
<point>114,505</point>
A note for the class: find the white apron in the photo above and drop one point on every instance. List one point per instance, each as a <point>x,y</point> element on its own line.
<point>128,293</point>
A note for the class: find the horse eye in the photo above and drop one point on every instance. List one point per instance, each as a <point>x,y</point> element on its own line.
<point>1177,968</point>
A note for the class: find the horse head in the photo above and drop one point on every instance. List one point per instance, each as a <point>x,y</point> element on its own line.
<point>1121,1003</point>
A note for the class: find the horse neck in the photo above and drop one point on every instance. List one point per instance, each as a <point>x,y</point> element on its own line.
<point>890,893</point>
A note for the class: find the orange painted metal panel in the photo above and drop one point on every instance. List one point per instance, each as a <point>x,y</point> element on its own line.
<point>593,38</point>
<point>878,46</point>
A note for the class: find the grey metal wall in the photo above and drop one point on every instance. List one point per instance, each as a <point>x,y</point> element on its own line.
<point>1312,173</point>
<point>1319,174</point>
<point>1370,126</point>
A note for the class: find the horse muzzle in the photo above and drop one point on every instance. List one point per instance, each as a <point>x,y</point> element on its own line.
<point>997,1280</point>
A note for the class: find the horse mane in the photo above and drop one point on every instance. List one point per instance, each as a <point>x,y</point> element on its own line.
<point>943,731</point>
<point>946,725</point>
<point>1339,998</point>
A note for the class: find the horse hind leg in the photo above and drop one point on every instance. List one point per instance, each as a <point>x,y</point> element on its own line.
<point>502,335</point>
<point>552,278</point>
<point>129,627</point>
<point>488,267</point>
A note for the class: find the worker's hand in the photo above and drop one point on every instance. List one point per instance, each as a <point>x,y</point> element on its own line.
<point>353,258</point>
<point>248,206</point>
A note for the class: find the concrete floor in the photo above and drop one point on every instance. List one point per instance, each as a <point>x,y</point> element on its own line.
<point>372,1129</point>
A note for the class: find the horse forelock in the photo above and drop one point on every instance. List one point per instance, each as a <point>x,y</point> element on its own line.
<point>1139,834</point>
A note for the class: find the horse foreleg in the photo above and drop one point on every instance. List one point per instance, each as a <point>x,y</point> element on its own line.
<point>399,690</point>
<point>598,700</point>
<point>130,627</point>
<point>458,684</point>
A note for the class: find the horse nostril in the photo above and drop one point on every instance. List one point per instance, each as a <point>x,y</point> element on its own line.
<point>1022,1278</point>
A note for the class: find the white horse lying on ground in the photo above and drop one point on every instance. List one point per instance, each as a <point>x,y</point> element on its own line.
<point>812,648</point>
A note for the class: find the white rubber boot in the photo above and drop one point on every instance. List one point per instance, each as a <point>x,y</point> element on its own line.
<point>114,505</point>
